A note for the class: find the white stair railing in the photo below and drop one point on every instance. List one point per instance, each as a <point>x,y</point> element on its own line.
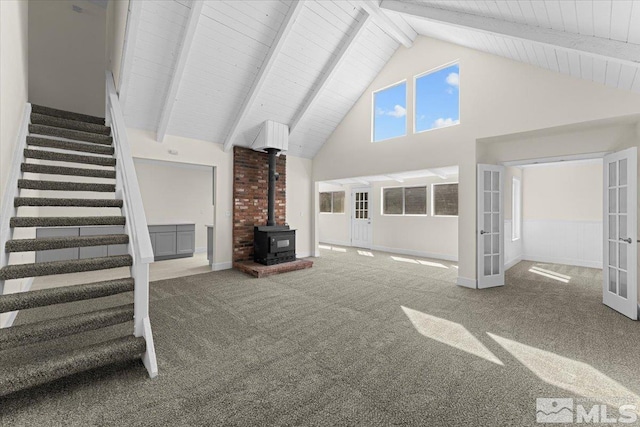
<point>9,210</point>
<point>140,249</point>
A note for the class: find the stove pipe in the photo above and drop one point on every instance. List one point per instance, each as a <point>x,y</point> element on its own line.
<point>271,208</point>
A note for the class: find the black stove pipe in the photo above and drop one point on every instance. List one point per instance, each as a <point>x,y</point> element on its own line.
<point>271,208</point>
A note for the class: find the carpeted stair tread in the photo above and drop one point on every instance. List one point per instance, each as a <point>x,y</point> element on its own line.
<point>73,158</point>
<point>65,221</point>
<point>48,243</point>
<point>62,170</point>
<point>32,184</point>
<point>88,203</point>
<point>76,361</point>
<point>65,294</point>
<point>68,145</point>
<point>70,134</point>
<point>43,119</point>
<point>68,115</point>
<point>50,329</point>
<point>19,271</point>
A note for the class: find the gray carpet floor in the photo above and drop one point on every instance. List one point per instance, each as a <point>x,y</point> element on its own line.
<point>356,340</point>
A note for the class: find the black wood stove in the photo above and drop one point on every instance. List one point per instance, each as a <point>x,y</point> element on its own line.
<point>273,244</point>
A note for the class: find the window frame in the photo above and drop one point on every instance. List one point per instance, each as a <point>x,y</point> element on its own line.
<point>433,205</point>
<point>332,211</point>
<point>516,222</point>
<point>373,111</point>
<point>415,98</point>
<point>426,200</point>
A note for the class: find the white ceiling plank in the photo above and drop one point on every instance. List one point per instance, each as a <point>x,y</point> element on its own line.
<point>599,70</point>
<point>563,61</point>
<point>569,16</point>
<point>627,74</point>
<point>540,10</point>
<point>594,47</point>
<point>129,49</point>
<point>176,78</point>
<point>555,14</point>
<point>602,18</point>
<point>394,178</point>
<point>584,12</point>
<point>634,28</point>
<point>527,12</point>
<point>276,47</point>
<point>613,74</point>
<point>338,59</point>
<point>574,64</point>
<point>620,13</point>
<point>438,173</point>
<point>406,35</point>
<point>586,66</point>
<point>552,60</point>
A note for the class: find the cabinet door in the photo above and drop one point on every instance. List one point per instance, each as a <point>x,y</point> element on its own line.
<point>186,242</point>
<point>57,254</point>
<point>152,237</point>
<point>165,244</point>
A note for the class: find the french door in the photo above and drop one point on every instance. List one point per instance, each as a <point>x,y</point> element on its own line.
<point>620,274</point>
<point>361,230</point>
<point>490,229</point>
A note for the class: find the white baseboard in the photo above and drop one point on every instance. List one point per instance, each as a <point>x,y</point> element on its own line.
<point>513,262</point>
<point>335,242</point>
<point>303,254</point>
<point>201,250</point>
<point>563,261</point>
<point>11,316</point>
<point>467,283</point>
<point>421,254</point>
<point>221,266</point>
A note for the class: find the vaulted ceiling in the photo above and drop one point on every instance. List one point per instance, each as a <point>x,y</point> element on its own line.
<point>216,70</point>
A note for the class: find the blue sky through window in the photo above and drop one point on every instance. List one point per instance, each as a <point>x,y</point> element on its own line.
<point>390,112</point>
<point>438,99</point>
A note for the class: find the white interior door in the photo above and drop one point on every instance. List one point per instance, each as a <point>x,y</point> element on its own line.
<point>361,230</point>
<point>490,228</point>
<point>620,274</point>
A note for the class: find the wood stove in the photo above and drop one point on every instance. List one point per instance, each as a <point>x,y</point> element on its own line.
<point>273,244</point>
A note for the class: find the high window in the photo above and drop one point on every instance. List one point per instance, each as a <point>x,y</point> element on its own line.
<point>332,202</point>
<point>404,201</point>
<point>437,99</point>
<point>516,209</point>
<point>390,112</point>
<point>444,199</point>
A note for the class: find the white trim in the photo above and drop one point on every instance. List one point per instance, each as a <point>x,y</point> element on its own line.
<point>513,262</point>
<point>411,252</point>
<point>563,261</point>
<point>26,287</point>
<point>335,242</point>
<point>276,47</point>
<point>176,77</point>
<point>338,59</point>
<point>415,99</point>
<point>201,250</point>
<point>218,266</point>
<point>596,47</point>
<point>467,283</point>
<point>306,254</point>
<point>373,110</point>
<point>569,158</point>
<point>128,53</point>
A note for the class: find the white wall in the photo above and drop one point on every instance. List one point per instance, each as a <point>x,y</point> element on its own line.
<point>299,198</point>
<point>513,249</point>
<point>67,55</point>
<point>424,236</point>
<point>13,98</point>
<point>498,96</point>
<point>562,213</point>
<point>117,11</point>
<point>177,192</point>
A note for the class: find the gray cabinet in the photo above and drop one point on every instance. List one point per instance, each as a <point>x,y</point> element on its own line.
<point>57,254</point>
<point>100,251</point>
<point>172,241</point>
<point>80,253</point>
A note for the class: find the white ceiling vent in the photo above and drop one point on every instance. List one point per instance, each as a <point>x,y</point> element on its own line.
<point>272,135</point>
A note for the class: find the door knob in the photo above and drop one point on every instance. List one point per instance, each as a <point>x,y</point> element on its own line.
<point>483,232</point>
<point>629,240</point>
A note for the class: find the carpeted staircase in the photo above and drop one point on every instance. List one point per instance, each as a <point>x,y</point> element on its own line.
<point>57,136</point>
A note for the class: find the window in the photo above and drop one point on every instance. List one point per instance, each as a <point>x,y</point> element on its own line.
<point>437,99</point>
<point>516,209</point>
<point>332,202</point>
<point>444,199</point>
<point>390,112</point>
<point>404,201</point>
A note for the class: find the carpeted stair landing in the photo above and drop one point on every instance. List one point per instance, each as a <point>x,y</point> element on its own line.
<point>58,137</point>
